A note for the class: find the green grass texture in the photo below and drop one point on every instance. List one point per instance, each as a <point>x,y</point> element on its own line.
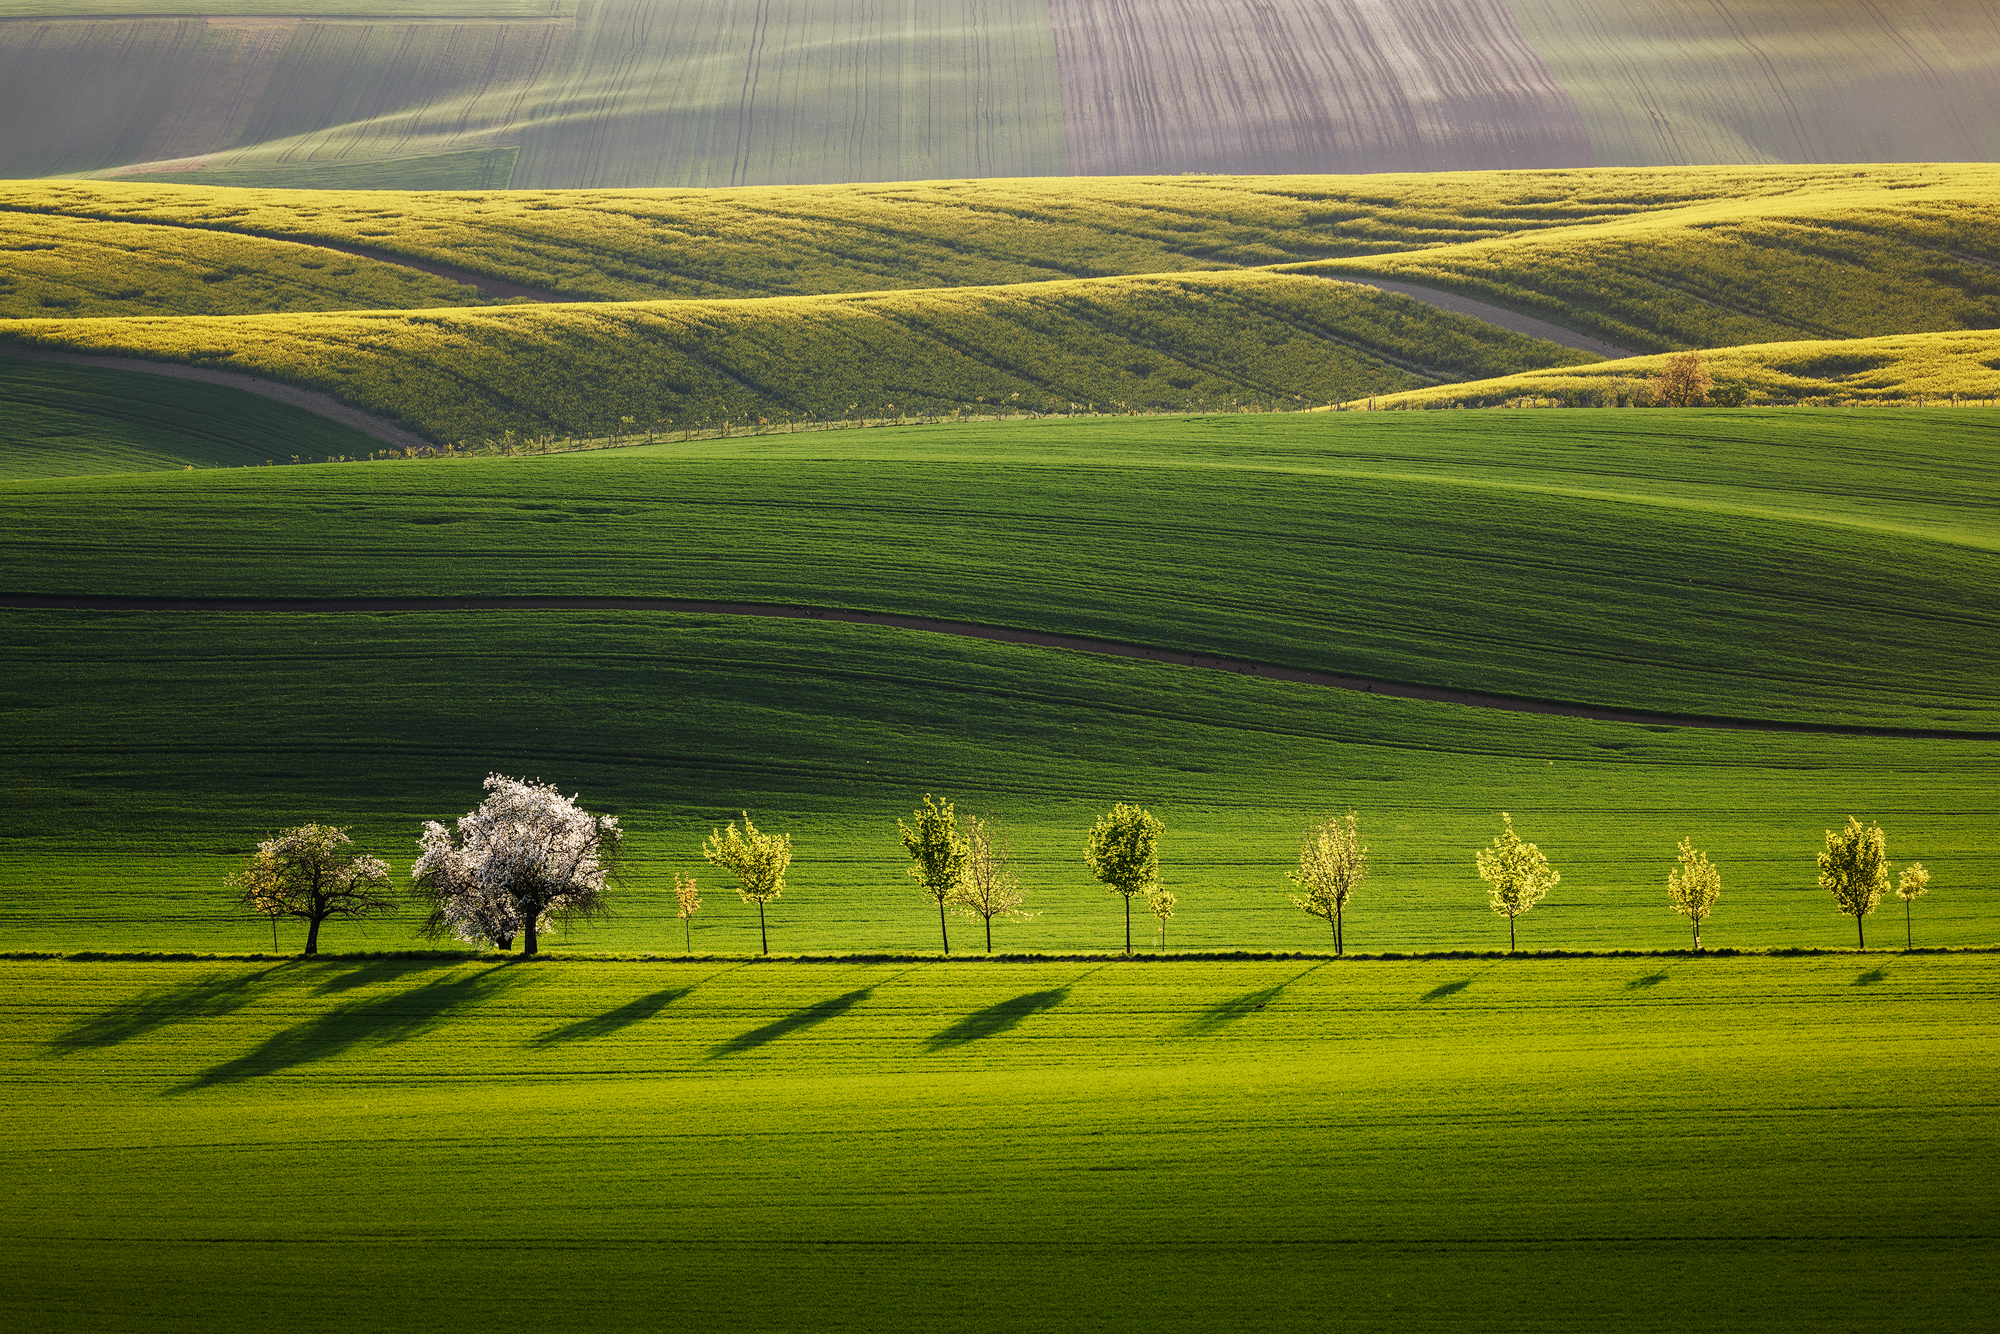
<point>147,752</point>
<point>68,421</point>
<point>1640,1144</point>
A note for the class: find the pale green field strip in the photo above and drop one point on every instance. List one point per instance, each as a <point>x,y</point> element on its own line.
<point>1687,81</point>
<point>1767,1144</point>
<point>347,9</point>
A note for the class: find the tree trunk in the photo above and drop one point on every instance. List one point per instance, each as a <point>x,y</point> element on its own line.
<point>1128,924</point>
<point>944,933</point>
<point>1339,932</point>
<point>1510,933</point>
<point>989,935</point>
<point>762,931</point>
<point>312,935</point>
<point>1860,935</point>
<point>687,935</point>
<point>1908,940</point>
<point>528,934</point>
<point>1697,930</point>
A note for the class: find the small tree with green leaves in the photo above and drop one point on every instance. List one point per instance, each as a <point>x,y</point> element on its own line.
<point>1911,885</point>
<point>1124,853</point>
<point>1162,902</point>
<point>1516,873</point>
<point>311,873</point>
<point>757,860</point>
<point>1332,864</point>
<point>1694,886</point>
<point>991,887</point>
<point>940,860</point>
<point>1854,868</point>
<point>689,901</point>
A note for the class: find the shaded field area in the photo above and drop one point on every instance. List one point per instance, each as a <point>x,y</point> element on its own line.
<point>902,1142</point>
<point>69,421</point>
<point>1542,555</point>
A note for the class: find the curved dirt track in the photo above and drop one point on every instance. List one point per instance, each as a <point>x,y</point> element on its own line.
<point>324,405</point>
<point>971,630</point>
<point>1496,315</point>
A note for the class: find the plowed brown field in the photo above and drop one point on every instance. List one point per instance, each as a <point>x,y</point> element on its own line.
<point>1307,86</point>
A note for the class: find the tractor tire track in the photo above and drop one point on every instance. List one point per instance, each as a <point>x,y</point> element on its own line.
<point>973,630</point>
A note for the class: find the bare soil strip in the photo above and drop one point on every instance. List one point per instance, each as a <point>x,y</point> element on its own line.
<point>970,630</point>
<point>323,405</point>
<point>1506,319</point>
<point>1287,86</point>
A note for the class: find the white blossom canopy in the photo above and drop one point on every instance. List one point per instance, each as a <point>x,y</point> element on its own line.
<point>524,859</point>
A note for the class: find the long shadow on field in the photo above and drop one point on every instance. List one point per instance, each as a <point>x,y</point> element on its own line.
<point>996,1019</point>
<point>791,1023</point>
<point>1229,1011</point>
<point>611,1021</point>
<point>205,998</point>
<point>1650,980</point>
<point>1444,989</point>
<point>1879,973</point>
<point>378,1022</point>
<point>378,970</point>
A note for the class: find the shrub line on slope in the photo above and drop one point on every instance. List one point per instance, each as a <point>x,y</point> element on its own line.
<point>972,630</point>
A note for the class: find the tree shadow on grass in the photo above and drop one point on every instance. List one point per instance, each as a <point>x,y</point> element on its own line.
<point>378,970</point>
<point>1444,989</point>
<point>791,1023</point>
<point>1879,973</point>
<point>611,1021</point>
<point>205,998</point>
<point>1650,980</point>
<point>377,1022</point>
<point>996,1019</point>
<point>1227,1012</point>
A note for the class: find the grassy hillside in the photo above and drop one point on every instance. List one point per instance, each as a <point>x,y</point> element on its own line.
<point>1161,342</point>
<point>1935,368</point>
<point>77,267</point>
<point>1518,1146</point>
<point>147,751</point>
<point>1292,542</point>
<point>1836,264</point>
<point>640,244</point>
<point>70,421</point>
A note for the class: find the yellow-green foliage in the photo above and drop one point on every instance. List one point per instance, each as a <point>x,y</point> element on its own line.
<point>1902,368</point>
<point>62,266</point>
<point>1846,262</point>
<point>1166,341</point>
<point>801,240</point>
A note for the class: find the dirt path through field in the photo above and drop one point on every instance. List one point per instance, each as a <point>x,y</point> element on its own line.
<point>968,630</point>
<point>323,405</point>
<point>1506,319</point>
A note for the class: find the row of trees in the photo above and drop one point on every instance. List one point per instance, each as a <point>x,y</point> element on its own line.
<point>528,859</point>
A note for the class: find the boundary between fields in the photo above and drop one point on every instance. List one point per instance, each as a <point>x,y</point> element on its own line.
<point>974,630</point>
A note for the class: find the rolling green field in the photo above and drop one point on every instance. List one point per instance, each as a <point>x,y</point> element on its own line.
<point>1549,562</point>
<point>1650,1144</point>
<point>69,421</point>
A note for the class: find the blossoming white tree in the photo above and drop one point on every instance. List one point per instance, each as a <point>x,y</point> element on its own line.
<point>311,874</point>
<point>523,860</point>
